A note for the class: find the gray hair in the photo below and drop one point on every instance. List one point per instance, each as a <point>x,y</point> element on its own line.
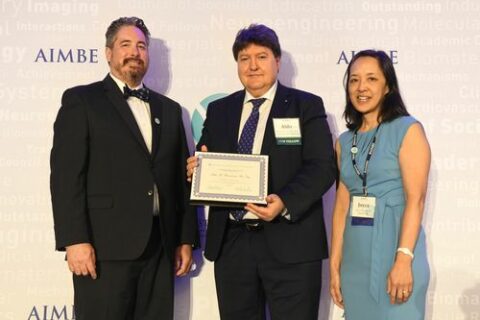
<point>122,22</point>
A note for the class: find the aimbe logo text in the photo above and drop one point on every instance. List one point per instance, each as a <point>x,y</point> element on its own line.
<point>52,312</point>
<point>58,55</point>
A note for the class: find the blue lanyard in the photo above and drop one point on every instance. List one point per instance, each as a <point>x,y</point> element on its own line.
<point>354,151</point>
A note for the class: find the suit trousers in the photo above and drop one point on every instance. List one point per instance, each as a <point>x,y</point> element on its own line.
<point>248,278</point>
<point>141,289</point>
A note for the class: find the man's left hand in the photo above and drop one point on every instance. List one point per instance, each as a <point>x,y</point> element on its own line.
<point>183,259</point>
<point>274,206</point>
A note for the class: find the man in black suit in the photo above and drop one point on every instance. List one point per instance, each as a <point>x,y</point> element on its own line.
<point>119,199</point>
<point>270,253</point>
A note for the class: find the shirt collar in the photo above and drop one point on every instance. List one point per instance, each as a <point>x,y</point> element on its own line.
<point>269,95</point>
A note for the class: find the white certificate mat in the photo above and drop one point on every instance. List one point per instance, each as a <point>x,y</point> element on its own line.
<point>230,179</point>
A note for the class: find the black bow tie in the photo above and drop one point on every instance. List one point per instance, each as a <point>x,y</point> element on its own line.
<point>142,93</point>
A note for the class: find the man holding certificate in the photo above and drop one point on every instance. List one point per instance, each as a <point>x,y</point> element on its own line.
<point>269,254</point>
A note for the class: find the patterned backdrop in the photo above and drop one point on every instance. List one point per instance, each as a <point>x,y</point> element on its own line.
<point>49,45</point>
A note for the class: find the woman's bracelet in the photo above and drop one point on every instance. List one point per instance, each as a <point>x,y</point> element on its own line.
<point>406,251</point>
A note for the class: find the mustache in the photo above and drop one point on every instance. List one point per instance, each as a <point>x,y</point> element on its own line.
<point>139,61</point>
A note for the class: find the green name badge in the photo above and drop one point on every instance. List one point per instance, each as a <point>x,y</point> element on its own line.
<point>287,131</point>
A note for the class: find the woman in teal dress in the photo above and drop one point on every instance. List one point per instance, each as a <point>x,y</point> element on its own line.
<point>379,268</point>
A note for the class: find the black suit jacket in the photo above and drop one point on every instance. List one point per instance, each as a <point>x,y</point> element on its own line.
<point>102,174</point>
<point>299,174</point>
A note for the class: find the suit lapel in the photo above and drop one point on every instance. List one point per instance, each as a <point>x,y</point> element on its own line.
<point>156,111</point>
<point>234,115</point>
<point>279,108</point>
<point>115,96</point>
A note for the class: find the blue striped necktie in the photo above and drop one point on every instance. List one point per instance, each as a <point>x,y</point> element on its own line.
<point>245,143</point>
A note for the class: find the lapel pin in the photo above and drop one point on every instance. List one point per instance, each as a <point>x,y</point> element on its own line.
<point>157,121</point>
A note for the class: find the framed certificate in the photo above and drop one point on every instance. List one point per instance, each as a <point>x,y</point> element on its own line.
<point>229,179</point>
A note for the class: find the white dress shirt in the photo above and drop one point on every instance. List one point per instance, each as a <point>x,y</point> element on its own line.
<point>141,113</point>
<point>264,112</point>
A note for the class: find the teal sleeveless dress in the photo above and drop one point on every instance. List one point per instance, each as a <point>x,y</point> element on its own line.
<point>369,251</point>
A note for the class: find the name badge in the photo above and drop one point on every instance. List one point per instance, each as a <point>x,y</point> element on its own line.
<point>287,131</point>
<point>362,210</point>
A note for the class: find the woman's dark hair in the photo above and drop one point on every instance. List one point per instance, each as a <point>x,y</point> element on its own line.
<point>258,34</point>
<point>392,106</point>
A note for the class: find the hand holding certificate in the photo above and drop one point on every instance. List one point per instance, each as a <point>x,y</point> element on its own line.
<point>227,179</point>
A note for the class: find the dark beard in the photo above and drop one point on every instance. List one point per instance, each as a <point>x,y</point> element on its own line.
<point>135,74</point>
